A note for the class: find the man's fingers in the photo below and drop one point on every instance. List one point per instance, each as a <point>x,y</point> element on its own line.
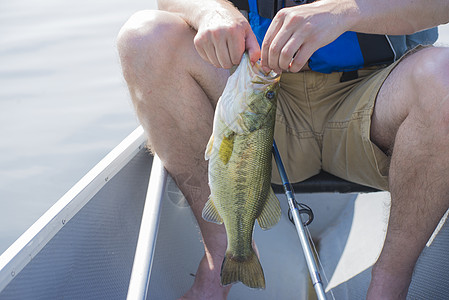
<point>279,50</point>
<point>223,55</point>
<point>289,50</point>
<point>301,58</point>
<point>236,48</point>
<point>252,46</point>
<point>272,31</point>
<point>214,51</point>
<point>249,44</point>
<point>235,53</point>
<point>205,49</point>
<point>223,46</point>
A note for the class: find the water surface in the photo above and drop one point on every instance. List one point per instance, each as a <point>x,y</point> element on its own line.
<point>63,102</point>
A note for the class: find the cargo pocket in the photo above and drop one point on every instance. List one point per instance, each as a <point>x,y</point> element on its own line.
<point>349,153</point>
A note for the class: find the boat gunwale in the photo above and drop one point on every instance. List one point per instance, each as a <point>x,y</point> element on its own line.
<point>34,239</point>
<point>148,232</point>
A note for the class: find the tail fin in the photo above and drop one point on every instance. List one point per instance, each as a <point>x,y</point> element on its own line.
<point>247,270</point>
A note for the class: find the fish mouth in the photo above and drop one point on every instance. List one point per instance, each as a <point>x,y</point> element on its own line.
<point>262,79</point>
<point>263,82</point>
<point>264,76</point>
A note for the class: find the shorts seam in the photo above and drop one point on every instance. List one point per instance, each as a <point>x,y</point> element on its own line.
<point>293,131</point>
<point>309,106</point>
<point>318,84</point>
<point>357,115</point>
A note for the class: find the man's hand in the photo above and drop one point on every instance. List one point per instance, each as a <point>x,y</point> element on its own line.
<point>223,36</point>
<point>297,32</point>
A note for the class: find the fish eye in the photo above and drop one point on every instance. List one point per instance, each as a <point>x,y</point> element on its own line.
<point>270,95</point>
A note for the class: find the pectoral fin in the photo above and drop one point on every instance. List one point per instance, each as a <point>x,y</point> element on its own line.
<point>226,147</point>
<point>271,213</point>
<point>210,213</point>
<point>209,147</point>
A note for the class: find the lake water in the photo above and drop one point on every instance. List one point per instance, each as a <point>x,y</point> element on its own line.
<point>63,102</point>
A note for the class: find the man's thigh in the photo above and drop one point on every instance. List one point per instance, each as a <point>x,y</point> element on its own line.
<point>400,93</point>
<point>360,137</point>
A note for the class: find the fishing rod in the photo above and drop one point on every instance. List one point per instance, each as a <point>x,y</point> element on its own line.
<point>299,224</point>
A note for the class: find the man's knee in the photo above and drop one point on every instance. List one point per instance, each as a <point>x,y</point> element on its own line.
<point>431,79</point>
<point>431,72</point>
<point>148,38</point>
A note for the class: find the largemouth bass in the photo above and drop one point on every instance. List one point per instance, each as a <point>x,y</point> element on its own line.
<point>239,153</point>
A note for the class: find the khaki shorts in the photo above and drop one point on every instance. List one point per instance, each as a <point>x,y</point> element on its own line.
<point>324,124</point>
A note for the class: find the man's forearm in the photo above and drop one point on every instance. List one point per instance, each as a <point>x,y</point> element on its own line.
<point>394,17</point>
<point>193,11</point>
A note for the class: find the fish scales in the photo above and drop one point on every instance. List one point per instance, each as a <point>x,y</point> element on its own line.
<point>239,154</point>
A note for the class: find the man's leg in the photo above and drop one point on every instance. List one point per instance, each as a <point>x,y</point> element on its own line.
<point>174,93</point>
<point>411,121</point>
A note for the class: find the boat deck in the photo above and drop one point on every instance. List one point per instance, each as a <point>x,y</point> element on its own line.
<point>83,248</point>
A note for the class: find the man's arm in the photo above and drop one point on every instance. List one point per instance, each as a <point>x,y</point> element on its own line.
<point>223,33</point>
<point>297,32</point>
<point>398,17</point>
<point>194,12</point>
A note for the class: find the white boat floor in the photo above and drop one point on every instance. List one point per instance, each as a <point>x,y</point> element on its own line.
<point>349,231</point>
<point>179,249</point>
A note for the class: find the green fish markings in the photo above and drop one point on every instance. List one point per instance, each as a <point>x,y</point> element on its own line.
<point>240,155</point>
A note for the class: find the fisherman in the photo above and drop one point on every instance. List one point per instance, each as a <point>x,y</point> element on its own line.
<point>381,122</point>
